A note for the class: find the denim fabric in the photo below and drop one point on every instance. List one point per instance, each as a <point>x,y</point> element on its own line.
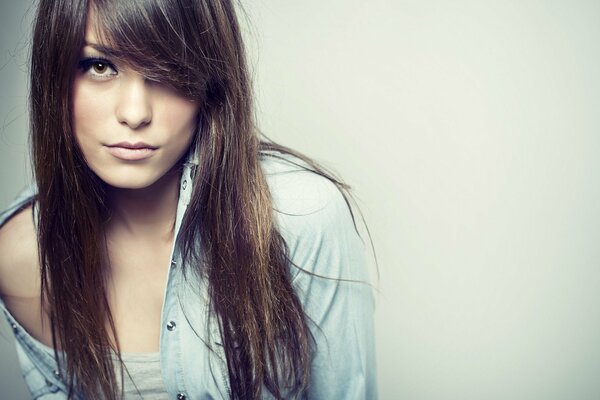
<point>316,224</point>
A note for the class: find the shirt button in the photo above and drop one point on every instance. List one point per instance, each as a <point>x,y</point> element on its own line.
<point>173,263</point>
<point>56,373</point>
<point>14,326</point>
<point>171,325</point>
<point>181,396</point>
<point>184,184</point>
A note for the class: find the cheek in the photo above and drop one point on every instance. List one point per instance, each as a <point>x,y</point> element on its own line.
<point>181,116</point>
<point>88,115</point>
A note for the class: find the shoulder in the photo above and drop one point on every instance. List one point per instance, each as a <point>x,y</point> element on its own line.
<point>19,265</point>
<point>302,196</point>
<point>314,218</point>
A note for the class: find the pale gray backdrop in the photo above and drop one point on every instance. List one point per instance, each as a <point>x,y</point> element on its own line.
<point>470,132</point>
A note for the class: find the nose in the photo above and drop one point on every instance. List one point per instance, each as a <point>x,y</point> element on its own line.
<point>134,105</point>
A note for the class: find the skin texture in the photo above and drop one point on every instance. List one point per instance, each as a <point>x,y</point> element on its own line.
<point>113,104</point>
<point>106,232</point>
<point>20,276</point>
<point>195,47</point>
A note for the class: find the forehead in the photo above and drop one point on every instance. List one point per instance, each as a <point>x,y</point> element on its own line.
<point>161,43</point>
<point>96,38</point>
<point>93,31</point>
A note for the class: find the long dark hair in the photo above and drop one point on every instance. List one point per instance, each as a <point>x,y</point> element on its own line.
<point>194,47</point>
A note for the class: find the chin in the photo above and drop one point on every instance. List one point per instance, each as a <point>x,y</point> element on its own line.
<point>130,185</point>
<point>137,176</point>
<point>129,181</point>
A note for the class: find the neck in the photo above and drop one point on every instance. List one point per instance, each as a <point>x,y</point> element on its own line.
<point>146,212</point>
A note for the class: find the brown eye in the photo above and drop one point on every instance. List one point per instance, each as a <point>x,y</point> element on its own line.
<point>100,68</point>
<point>97,68</point>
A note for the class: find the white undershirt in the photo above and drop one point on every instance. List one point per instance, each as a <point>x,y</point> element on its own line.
<point>143,379</point>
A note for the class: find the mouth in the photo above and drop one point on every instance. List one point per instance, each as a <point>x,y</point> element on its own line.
<point>131,151</point>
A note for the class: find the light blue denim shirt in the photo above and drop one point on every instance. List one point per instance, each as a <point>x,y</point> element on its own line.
<point>315,222</point>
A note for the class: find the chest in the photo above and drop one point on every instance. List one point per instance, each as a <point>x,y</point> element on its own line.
<point>135,290</point>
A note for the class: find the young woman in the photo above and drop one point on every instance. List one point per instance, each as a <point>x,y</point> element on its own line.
<point>165,251</point>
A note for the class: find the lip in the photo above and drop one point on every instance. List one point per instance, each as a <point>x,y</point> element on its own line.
<point>131,151</point>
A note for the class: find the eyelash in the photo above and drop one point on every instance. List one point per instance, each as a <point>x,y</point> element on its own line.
<point>86,65</point>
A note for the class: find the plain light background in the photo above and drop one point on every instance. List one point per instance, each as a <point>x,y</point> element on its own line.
<point>470,133</point>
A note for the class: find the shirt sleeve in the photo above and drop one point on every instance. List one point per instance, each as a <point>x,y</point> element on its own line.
<point>334,287</point>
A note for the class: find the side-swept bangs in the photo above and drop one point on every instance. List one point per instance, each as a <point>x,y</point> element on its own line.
<point>178,43</point>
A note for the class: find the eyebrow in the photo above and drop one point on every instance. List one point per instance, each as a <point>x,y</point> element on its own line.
<point>99,47</point>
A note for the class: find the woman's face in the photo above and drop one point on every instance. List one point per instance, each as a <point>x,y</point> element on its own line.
<point>131,131</point>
